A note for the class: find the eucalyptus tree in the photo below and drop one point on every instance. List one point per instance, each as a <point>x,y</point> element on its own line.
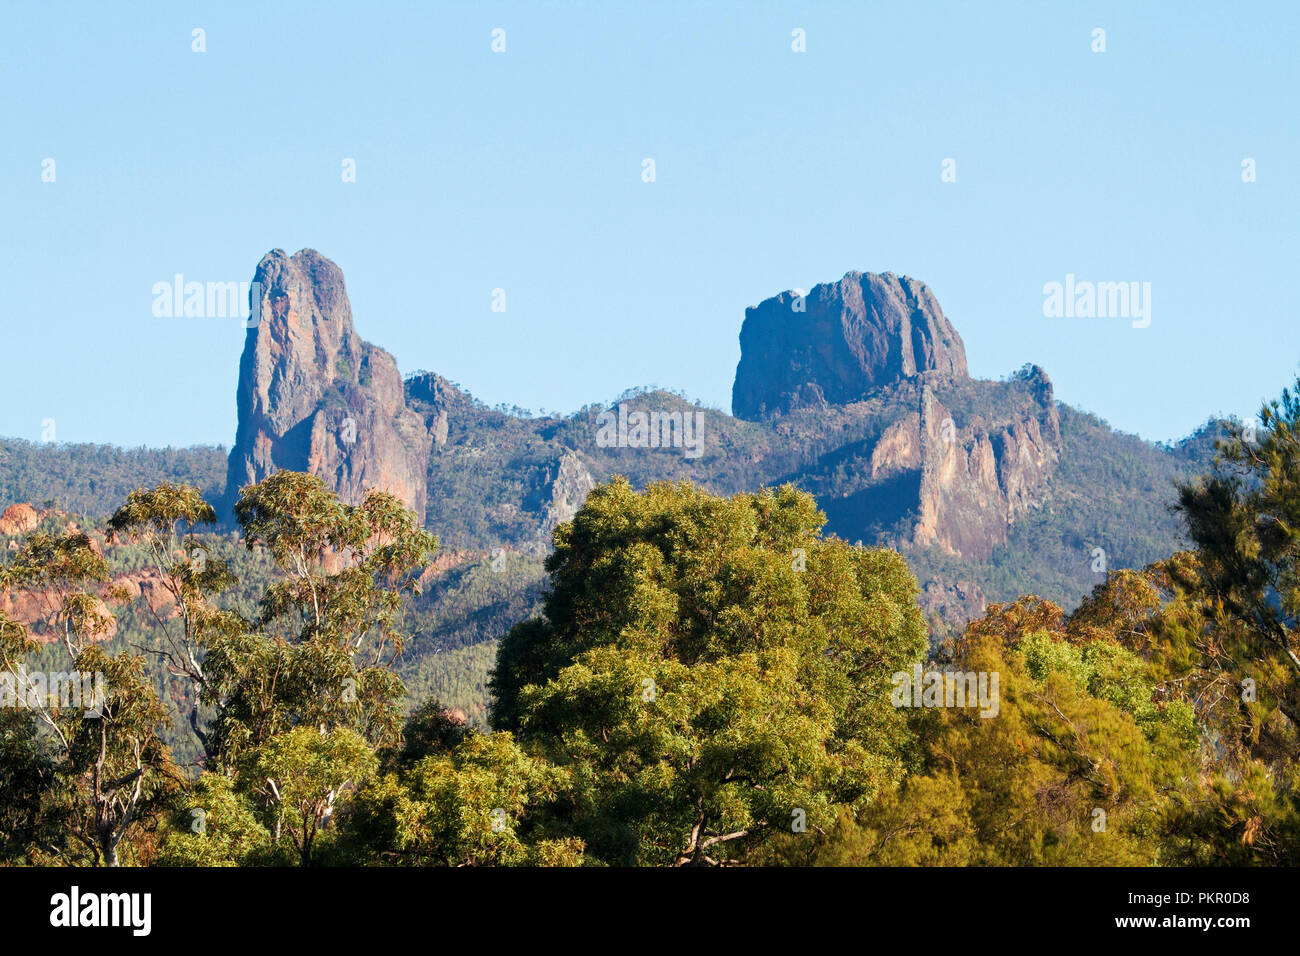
<point>95,749</point>
<point>320,649</point>
<point>710,671</point>
<point>163,520</point>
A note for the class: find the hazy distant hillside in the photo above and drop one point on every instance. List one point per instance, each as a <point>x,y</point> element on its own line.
<point>95,479</point>
<point>1108,490</point>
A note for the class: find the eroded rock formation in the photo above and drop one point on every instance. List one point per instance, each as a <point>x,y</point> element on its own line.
<point>569,487</point>
<point>975,480</point>
<point>875,345</point>
<point>19,519</point>
<point>314,397</point>
<point>841,342</point>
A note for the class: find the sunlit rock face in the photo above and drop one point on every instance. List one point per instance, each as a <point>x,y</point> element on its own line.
<point>314,397</point>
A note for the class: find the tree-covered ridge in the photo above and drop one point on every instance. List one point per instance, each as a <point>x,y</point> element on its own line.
<point>489,488</point>
<point>488,483</point>
<point>1109,490</point>
<point>708,681</point>
<point>92,480</point>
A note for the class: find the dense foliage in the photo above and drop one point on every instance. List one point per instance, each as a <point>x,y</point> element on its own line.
<point>92,480</point>
<point>697,680</point>
<point>708,669</point>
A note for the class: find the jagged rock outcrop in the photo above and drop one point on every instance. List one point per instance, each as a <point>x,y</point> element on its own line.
<point>39,610</point>
<point>314,397</point>
<point>840,342</point>
<point>975,480</point>
<point>880,345</point>
<point>899,448</point>
<point>434,396</point>
<point>569,487</point>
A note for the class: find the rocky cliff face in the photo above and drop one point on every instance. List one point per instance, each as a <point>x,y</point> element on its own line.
<point>569,487</point>
<point>841,342</point>
<point>314,397</point>
<point>976,480</point>
<point>969,481</point>
<point>434,397</point>
<point>879,347</point>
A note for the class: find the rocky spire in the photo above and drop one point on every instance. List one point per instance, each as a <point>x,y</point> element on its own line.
<point>314,397</point>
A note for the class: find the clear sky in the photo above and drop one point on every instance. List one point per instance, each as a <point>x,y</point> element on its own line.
<point>522,170</point>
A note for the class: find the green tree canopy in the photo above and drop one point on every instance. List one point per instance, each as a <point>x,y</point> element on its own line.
<point>709,670</point>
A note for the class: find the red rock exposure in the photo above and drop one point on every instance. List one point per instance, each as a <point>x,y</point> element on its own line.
<point>19,519</point>
<point>143,584</point>
<point>444,561</point>
<point>38,610</point>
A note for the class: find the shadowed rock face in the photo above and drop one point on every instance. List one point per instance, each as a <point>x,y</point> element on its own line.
<point>878,339</point>
<point>939,461</point>
<point>569,489</point>
<point>840,342</point>
<point>314,397</point>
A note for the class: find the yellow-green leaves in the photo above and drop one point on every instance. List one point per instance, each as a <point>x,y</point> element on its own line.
<point>712,671</point>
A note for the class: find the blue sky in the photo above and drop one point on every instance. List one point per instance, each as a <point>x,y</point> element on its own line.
<point>522,171</point>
